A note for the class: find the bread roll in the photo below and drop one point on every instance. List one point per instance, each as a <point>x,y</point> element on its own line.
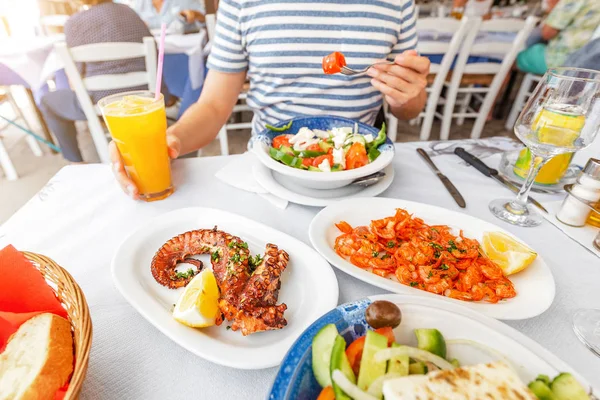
<point>38,359</point>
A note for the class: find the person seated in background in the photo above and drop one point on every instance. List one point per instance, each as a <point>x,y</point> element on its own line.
<point>588,56</point>
<point>284,67</point>
<point>568,27</point>
<point>103,22</point>
<point>157,12</point>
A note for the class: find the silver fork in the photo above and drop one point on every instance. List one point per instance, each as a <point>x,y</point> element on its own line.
<point>351,72</point>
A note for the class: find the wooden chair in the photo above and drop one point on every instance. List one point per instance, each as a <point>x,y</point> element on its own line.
<point>100,52</point>
<point>482,80</point>
<point>525,91</point>
<point>54,15</point>
<point>211,22</point>
<point>438,72</point>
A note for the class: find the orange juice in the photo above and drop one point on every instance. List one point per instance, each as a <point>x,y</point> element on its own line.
<point>138,125</point>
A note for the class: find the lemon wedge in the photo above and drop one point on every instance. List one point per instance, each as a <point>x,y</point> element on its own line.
<point>510,255</point>
<point>198,305</point>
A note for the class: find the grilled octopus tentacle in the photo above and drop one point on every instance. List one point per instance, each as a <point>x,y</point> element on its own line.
<point>247,300</point>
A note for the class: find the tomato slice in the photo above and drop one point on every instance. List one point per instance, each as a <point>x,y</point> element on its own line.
<point>327,394</point>
<point>356,156</point>
<point>282,140</point>
<point>307,162</point>
<point>318,160</point>
<point>355,350</point>
<point>333,63</point>
<point>314,147</point>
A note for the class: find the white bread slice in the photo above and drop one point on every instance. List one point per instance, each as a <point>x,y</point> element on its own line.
<point>38,359</point>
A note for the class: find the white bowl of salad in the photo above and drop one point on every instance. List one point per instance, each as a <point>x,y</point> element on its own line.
<point>323,152</point>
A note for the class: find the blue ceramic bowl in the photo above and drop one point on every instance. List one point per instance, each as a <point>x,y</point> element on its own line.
<point>316,180</point>
<point>295,379</point>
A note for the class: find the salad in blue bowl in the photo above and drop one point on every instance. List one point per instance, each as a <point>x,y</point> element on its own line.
<point>323,152</point>
<point>398,347</point>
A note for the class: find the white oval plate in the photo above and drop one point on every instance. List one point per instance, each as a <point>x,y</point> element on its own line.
<point>280,186</point>
<point>308,287</point>
<point>528,358</point>
<point>535,286</point>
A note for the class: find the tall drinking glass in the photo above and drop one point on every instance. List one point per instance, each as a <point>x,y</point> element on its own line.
<point>561,116</point>
<point>138,124</point>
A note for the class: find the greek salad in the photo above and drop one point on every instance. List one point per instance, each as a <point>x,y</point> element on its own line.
<point>375,367</point>
<point>338,149</point>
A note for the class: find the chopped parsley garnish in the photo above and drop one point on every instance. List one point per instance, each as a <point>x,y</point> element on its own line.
<point>430,274</point>
<point>184,275</point>
<point>228,327</point>
<point>437,254</point>
<point>413,284</point>
<point>241,245</point>
<point>452,246</point>
<point>444,267</point>
<point>255,261</point>
<point>383,257</point>
<point>215,256</point>
<point>433,229</point>
<point>391,244</point>
<point>436,246</point>
<point>375,254</point>
<point>236,258</point>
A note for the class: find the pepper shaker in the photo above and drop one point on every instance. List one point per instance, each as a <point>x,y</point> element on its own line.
<point>573,212</point>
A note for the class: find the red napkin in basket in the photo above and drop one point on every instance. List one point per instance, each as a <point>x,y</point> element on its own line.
<point>24,293</point>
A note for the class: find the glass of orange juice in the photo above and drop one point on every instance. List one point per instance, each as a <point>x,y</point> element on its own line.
<point>138,124</point>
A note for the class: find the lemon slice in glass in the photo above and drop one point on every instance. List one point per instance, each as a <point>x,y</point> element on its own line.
<point>198,305</point>
<point>510,255</point>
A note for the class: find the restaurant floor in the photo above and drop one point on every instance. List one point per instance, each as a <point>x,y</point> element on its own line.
<point>34,172</point>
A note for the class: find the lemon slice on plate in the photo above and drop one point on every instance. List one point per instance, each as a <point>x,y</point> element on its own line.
<point>510,255</point>
<point>198,305</point>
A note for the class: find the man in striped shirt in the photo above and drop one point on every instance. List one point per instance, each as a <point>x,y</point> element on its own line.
<point>279,46</point>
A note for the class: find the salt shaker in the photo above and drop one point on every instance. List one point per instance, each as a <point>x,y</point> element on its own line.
<point>573,212</point>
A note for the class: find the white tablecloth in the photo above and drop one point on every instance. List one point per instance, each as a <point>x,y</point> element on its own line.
<point>81,217</point>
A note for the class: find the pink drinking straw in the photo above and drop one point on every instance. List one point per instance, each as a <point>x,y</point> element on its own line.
<point>161,56</point>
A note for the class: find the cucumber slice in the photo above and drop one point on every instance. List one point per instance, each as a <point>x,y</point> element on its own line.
<point>541,390</point>
<point>287,150</point>
<point>566,387</point>
<point>431,340</point>
<point>339,360</point>
<point>455,362</point>
<point>357,138</point>
<point>322,346</point>
<point>418,368</point>
<point>369,368</point>
<point>398,365</point>
<point>314,169</point>
<point>544,378</point>
<point>325,146</point>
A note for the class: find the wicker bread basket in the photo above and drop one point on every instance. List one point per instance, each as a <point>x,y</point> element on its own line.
<point>73,300</point>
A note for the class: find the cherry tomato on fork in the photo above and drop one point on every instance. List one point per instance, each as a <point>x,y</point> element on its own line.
<point>333,63</point>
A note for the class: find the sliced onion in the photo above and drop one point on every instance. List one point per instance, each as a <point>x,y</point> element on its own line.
<point>376,388</point>
<point>412,352</point>
<point>350,388</point>
<point>482,347</point>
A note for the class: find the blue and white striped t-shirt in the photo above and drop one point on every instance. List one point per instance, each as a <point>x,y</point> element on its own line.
<point>281,43</point>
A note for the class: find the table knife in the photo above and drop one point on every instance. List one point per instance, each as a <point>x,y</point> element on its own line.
<point>492,173</point>
<point>449,186</point>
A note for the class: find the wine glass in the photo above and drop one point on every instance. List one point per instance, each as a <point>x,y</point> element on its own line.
<point>561,116</point>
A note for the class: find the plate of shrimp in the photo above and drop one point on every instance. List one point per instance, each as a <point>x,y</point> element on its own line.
<point>414,248</point>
